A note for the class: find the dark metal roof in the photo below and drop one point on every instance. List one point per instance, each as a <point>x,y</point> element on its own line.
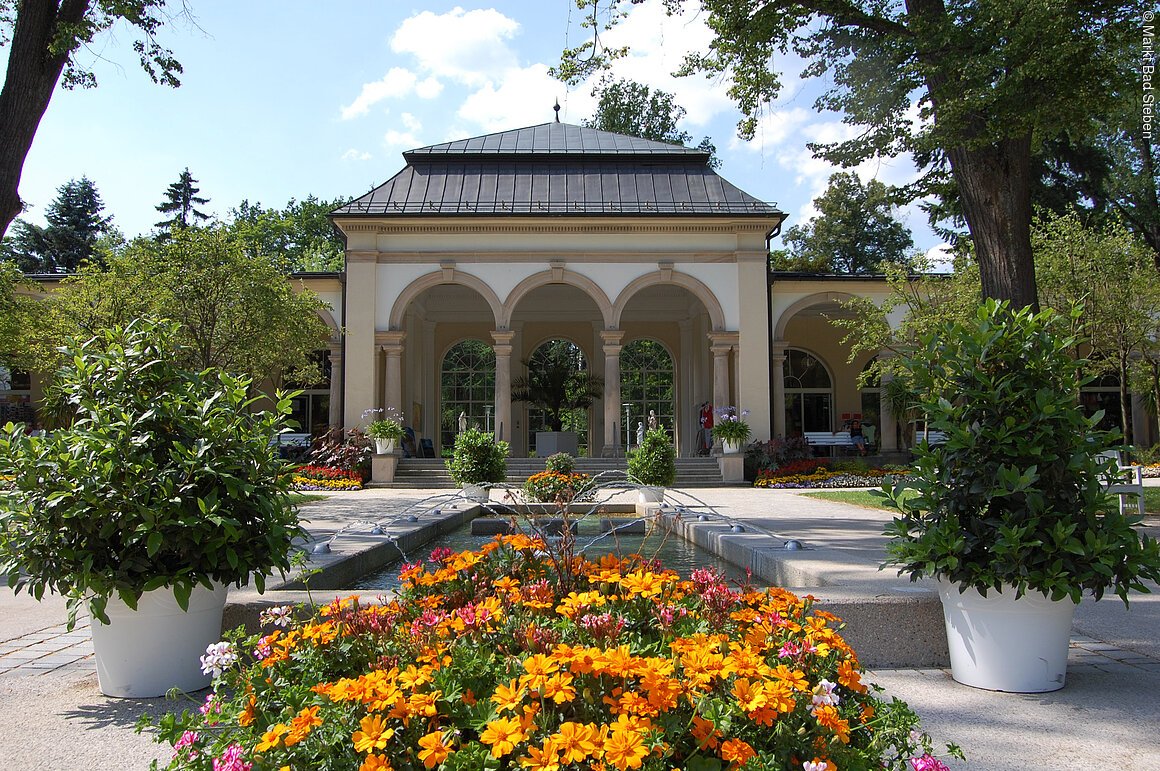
<point>557,168</point>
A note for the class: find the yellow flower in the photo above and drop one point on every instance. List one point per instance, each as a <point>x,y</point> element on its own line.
<point>503,735</point>
<point>374,734</point>
<point>433,751</point>
<point>508,697</point>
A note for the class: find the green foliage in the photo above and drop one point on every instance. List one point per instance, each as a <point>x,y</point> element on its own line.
<point>478,459</point>
<point>561,463</point>
<point>1014,496</point>
<point>166,478</point>
<point>299,237</point>
<point>69,240</point>
<point>181,201</point>
<point>729,426</point>
<point>236,313</point>
<point>628,107</point>
<point>655,461</point>
<point>558,381</point>
<point>854,232</point>
<point>390,426</point>
<point>11,316</point>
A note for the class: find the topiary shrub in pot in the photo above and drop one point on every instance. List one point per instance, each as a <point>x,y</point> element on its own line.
<point>1011,511</point>
<point>166,488</point>
<point>653,464</point>
<point>477,460</point>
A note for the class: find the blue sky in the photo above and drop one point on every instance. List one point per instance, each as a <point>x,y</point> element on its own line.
<point>292,98</point>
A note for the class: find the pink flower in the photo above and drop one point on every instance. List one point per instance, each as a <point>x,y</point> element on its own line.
<point>231,760</point>
<point>188,739</point>
<point>928,763</point>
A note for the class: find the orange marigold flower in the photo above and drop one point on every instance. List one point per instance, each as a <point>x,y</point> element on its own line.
<point>539,669</point>
<point>373,734</point>
<point>737,751</point>
<point>375,763</point>
<point>503,735</point>
<point>828,717</point>
<point>750,696</point>
<point>576,741</point>
<point>272,738</point>
<point>508,697</point>
<point>543,758</point>
<point>559,688</point>
<point>625,749</point>
<point>796,679</point>
<point>705,732</point>
<point>849,677</point>
<point>301,725</point>
<point>432,750</point>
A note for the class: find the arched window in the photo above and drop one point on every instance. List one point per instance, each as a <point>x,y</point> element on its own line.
<point>467,386</point>
<point>647,383</point>
<point>809,394</point>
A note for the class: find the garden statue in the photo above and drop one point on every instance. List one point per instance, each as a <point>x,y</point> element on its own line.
<point>652,420</point>
<point>639,433</point>
<point>462,422</point>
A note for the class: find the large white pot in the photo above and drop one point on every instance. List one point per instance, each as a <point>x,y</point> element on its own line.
<point>1001,643</point>
<point>384,446</point>
<point>730,446</point>
<point>143,653</point>
<point>651,494</point>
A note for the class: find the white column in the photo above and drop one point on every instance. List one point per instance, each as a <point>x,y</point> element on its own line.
<point>721,344</point>
<point>391,344</point>
<point>777,376</point>
<point>336,370</point>
<point>685,415</point>
<point>612,414</point>
<point>503,383</point>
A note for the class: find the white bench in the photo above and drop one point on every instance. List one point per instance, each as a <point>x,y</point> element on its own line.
<point>1125,481</point>
<point>828,439</point>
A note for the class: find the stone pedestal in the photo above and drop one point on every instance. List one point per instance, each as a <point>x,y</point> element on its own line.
<point>383,467</point>
<point>732,467</point>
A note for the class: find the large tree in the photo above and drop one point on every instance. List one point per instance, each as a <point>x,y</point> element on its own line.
<point>236,312</point>
<point>993,80</point>
<point>181,202</point>
<point>854,231</point>
<point>628,107</point>
<point>42,37</point>
<point>299,236</point>
<point>75,223</point>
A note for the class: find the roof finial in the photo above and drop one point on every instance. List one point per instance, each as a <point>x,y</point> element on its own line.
<point>557,109</point>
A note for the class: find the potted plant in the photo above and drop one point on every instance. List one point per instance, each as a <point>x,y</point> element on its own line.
<point>557,383</point>
<point>653,464</point>
<point>165,489</point>
<point>477,460</point>
<point>386,431</point>
<point>731,429</point>
<point>1009,515</point>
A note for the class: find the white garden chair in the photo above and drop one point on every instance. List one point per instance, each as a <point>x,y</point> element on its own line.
<point>1125,481</point>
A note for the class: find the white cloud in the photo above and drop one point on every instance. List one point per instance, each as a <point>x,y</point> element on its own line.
<point>941,259</point>
<point>356,155</point>
<point>428,88</point>
<point>773,129</point>
<point>398,82</point>
<point>469,47</point>
<point>404,139</point>
<point>524,97</point>
<point>410,121</point>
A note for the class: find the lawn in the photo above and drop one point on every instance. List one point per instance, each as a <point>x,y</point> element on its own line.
<point>301,498</point>
<point>867,498</point>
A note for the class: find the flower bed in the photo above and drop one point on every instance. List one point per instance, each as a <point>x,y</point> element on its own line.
<point>518,657</point>
<point>810,474</point>
<point>1151,471</point>
<point>326,478</point>
<point>557,487</point>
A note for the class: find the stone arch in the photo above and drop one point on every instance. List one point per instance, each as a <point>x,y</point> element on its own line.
<point>695,286</point>
<point>435,278</point>
<point>332,325</point>
<point>556,276</point>
<point>806,302</point>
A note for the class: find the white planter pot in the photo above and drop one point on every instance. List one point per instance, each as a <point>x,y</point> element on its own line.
<point>384,446</point>
<point>1001,643</point>
<point>730,446</point>
<point>651,494</point>
<point>143,653</point>
<point>475,492</point>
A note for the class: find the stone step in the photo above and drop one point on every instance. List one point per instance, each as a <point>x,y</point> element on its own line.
<point>432,472</point>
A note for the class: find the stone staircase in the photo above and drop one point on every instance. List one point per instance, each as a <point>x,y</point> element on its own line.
<point>431,473</point>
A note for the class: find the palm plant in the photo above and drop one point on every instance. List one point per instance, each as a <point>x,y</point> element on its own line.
<point>557,382</point>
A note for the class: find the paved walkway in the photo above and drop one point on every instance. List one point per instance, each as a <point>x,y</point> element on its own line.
<point>54,716</point>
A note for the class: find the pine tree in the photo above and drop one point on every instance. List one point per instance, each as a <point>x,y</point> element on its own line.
<point>74,224</point>
<point>180,201</point>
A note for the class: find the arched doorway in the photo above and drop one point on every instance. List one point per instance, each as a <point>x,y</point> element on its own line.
<point>559,390</point>
<point>647,383</point>
<point>809,394</point>
<point>467,387</point>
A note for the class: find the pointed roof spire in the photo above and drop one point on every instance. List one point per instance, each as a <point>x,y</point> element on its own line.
<point>557,109</point>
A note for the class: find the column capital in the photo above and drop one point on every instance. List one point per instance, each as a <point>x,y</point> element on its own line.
<point>503,336</point>
<point>391,341</point>
<point>728,339</point>
<point>611,336</point>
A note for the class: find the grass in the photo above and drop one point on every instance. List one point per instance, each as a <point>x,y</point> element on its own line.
<point>866,498</point>
<point>301,498</point>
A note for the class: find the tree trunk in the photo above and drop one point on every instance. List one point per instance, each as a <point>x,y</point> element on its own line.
<point>1125,423</point>
<point>995,186</point>
<point>31,78</point>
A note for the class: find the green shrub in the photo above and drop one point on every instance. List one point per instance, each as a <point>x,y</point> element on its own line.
<point>561,463</point>
<point>655,461</point>
<point>166,478</point>
<point>1014,496</point>
<point>478,459</point>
